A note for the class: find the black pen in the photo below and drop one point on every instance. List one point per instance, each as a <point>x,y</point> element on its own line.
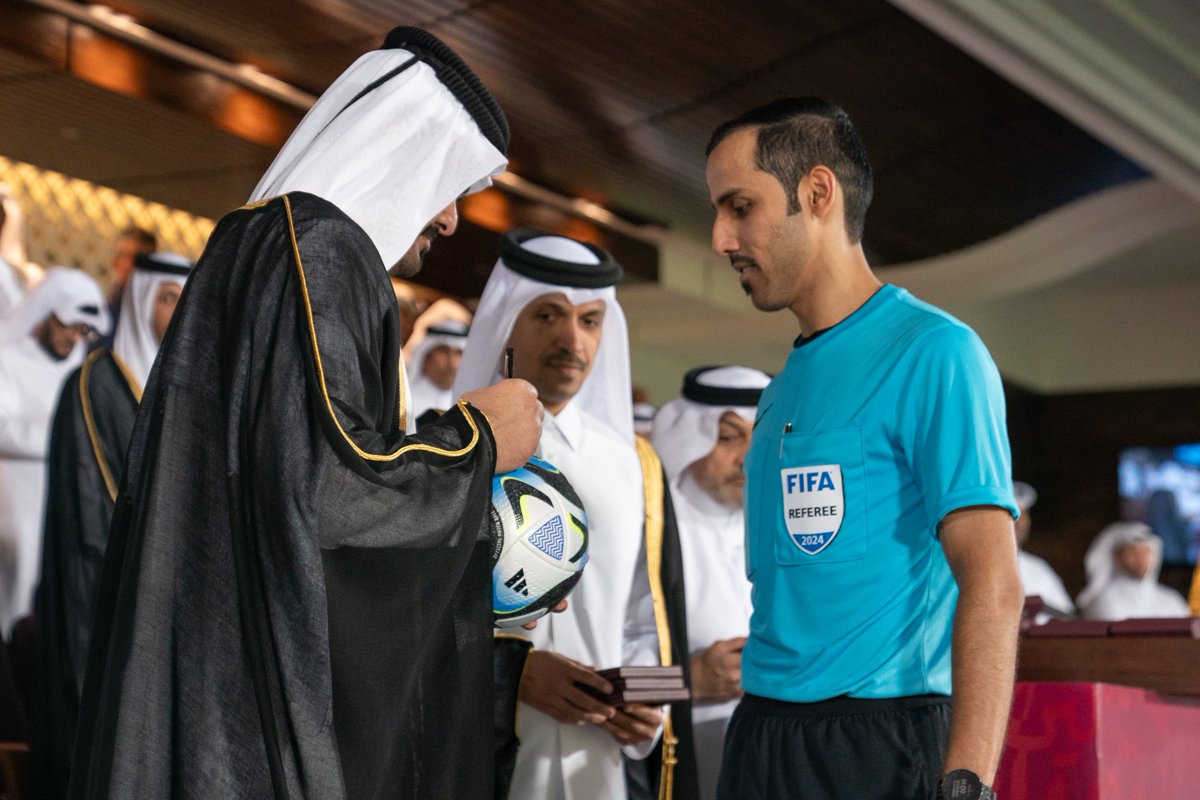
<point>508,359</point>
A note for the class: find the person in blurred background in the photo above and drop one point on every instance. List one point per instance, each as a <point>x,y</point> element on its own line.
<point>17,275</point>
<point>131,242</point>
<point>41,343</point>
<point>643,418</point>
<point>1037,576</point>
<point>88,444</point>
<point>1122,567</point>
<point>702,437</point>
<point>434,365</point>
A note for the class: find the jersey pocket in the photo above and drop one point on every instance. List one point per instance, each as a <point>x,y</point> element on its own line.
<point>761,446</point>
<point>821,503</point>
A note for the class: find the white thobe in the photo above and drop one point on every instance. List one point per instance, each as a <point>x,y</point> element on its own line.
<point>712,538</point>
<point>1125,597</point>
<point>609,619</point>
<point>30,382</point>
<point>10,287</point>
<point>426,395</point>
<point>1039,578</point>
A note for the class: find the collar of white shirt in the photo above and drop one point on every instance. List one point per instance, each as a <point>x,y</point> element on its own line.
<point>566,425</point>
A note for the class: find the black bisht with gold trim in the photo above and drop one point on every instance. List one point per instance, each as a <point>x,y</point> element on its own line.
<point>296,596</point>
<point>88,440</point>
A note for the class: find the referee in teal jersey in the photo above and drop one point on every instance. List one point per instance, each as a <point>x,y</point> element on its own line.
<point>878,497</point>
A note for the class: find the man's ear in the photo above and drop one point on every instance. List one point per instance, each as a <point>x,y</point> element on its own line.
<point>818,191</point>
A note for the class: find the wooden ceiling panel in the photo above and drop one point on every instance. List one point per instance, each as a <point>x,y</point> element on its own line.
<point>91,133</point>
<point>300,43</point>
<point>614,101</point>
<point>15,67</point>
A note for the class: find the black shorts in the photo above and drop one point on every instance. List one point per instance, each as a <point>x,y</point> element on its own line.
<point>839,749</point>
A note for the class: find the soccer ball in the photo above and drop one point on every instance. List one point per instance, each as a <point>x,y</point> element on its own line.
<point>539,542</point>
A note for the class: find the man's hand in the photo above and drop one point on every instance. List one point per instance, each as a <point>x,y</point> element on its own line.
<point>634,723</point>
<point>513,410</point>
<point>548,684</point>
<point>717,671</point>
<point>558,609</point>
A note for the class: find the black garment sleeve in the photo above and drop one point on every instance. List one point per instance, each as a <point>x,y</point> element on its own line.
<point>508,664</point>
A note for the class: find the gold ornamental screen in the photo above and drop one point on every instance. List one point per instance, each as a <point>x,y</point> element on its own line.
<point>74,223</point>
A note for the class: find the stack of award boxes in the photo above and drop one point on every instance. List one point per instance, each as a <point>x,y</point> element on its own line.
<point>653,686</point>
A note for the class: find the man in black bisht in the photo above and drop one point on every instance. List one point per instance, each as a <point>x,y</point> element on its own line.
<point>296,597</point>
<point>88,441</point>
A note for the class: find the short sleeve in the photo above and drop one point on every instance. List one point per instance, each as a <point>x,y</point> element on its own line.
<point>951,424</point>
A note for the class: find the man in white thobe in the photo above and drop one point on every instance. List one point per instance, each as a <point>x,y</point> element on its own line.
<point>1037,576</point>
<point>1122,569</point>
<point>551,300</point>
<point>434,365</point>
<point>702,438</point>
<point>41,342</point>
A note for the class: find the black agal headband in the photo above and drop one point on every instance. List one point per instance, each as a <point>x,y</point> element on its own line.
<point>454,74</point>
<point>555,271</point>
<point>149,262</point>
<point>717,395</point>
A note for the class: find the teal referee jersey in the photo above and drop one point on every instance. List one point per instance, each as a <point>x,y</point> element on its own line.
<point>875,430</point>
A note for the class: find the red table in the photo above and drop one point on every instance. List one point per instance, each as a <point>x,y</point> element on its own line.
<point>1097,741</point>
<point>1105,711</point>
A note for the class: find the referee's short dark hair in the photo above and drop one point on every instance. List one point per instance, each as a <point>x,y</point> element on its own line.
<point>797,133</point>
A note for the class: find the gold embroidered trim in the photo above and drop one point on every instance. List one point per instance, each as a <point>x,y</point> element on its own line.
<point>258,203</point>
<point>312,332</point>
<point>89,420</point>
<point>402,403</point>
<point>652,486</point>
<point>134,386</point>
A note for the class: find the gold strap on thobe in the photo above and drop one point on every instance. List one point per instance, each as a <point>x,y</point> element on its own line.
<point>652,482</point>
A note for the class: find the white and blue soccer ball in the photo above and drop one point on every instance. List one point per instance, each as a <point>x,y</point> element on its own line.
<point>539,542</point>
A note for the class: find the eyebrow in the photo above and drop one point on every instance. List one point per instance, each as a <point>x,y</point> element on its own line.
<point>564,306</point>
<point>724,198</point>
<point>545,306</point>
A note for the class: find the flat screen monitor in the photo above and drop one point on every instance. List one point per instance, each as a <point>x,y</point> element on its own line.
<point>1161,487</point>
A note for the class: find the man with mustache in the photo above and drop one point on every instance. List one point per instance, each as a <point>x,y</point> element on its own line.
<point>295,599</point>
<point>879,500</point>
<point>702,437</point>
<point>551,300</point>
